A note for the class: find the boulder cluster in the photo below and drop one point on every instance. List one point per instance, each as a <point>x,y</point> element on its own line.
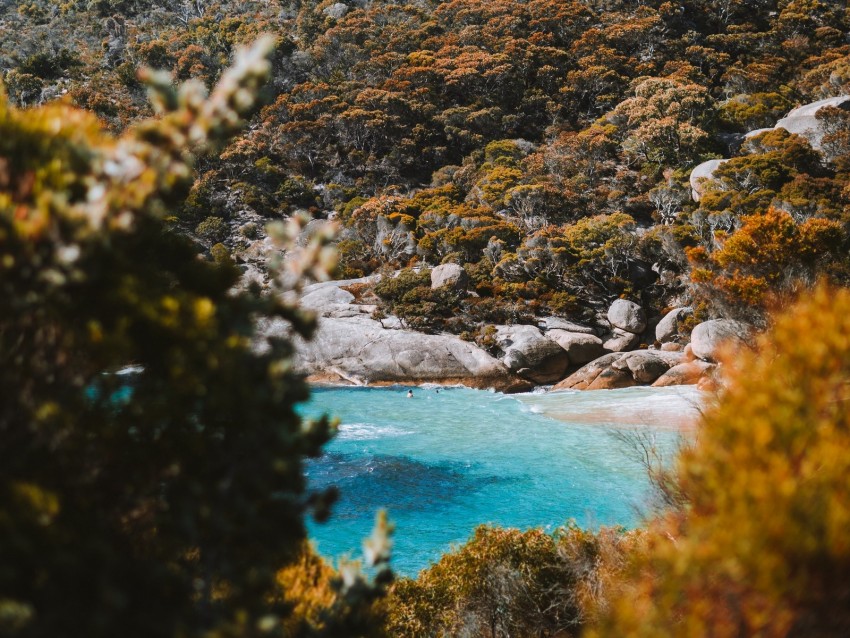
<point>356,344</point>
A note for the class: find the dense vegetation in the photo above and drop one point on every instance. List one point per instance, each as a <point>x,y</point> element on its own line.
<point>761,549</point>
<point>544,145</point>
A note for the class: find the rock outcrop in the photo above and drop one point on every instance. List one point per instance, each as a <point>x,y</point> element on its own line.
<point>646,366</point>
<point>557,323</point>
<point>627,315</point>
<point>349,345</point>
<point>336,11</point>
<point>621,370</point>
<point>687,373</point>
<point>449,275</point>
<point>803,119</point>
<point>321,298</point>
<point>621,341</point>
<point>580,347</point>
<point>709,338</point>
<point>531,355</point>
<point>360,350</point>
<point>582,378</point>
<point>702,174</point>
<point>668,328</point>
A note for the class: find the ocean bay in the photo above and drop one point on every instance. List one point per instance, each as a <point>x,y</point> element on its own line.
<point>449,459</point>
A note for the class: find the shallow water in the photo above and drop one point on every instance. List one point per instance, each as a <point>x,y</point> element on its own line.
<point>450,459</point>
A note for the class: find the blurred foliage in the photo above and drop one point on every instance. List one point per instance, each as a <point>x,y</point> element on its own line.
<point>762,547</point>
<point>330,603</point>
<point>157,500</point>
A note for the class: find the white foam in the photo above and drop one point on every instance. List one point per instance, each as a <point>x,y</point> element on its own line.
<point>368,431</point>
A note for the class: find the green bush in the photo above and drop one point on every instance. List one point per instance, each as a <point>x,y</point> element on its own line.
<point>212,230</point>
<point>220,254</point>
<point>250,231</point>
<point>392,289</point>
<point>504,582</point>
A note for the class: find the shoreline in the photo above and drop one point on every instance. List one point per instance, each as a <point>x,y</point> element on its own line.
<point>675,408</point>
<point>497,384</point>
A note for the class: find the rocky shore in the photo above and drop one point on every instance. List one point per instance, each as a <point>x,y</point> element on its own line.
<point>354,344</point>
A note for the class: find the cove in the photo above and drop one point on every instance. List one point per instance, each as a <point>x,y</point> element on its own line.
<point>450,459</point>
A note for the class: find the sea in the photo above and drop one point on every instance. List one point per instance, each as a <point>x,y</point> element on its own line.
<point>446,460</point>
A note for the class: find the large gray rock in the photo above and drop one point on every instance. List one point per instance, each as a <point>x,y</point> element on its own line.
<point>358,349</point>
<point>757,131</point>
<point>336,11</point>
<point>621,341</point>
<point>668,328</point>
<point>621,370</point>
<point>324,297</point>
<point>338,283</point>
<point>646,366</point>
<point>449,275</point>
<point>627,315</point>
<point>526,349</point>
<point>803,121</point>
<point>701,175</point>
<point>350,345</point>
<point>672,346</point>
<point>613,379</point>
<point>709,338</point>
<point>581,347</point>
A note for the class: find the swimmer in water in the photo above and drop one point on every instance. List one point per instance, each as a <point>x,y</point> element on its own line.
<point>410,394</point>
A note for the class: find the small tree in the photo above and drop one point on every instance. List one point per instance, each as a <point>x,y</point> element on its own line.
<point>664,121</point>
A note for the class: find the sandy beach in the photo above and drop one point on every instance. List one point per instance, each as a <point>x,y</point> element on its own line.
<point>674,408</point>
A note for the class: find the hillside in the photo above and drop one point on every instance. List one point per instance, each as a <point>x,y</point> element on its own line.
<point>544,146</point>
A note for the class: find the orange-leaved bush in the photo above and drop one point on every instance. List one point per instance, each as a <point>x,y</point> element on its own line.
<point>763,547</point>
<point>770,254</point>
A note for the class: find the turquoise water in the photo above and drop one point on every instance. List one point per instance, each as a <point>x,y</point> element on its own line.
<point>448,460</point>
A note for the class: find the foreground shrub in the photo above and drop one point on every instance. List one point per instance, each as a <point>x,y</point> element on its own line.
<point>160,502</point>
<point>505,582</point>
<point>763,547</point>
